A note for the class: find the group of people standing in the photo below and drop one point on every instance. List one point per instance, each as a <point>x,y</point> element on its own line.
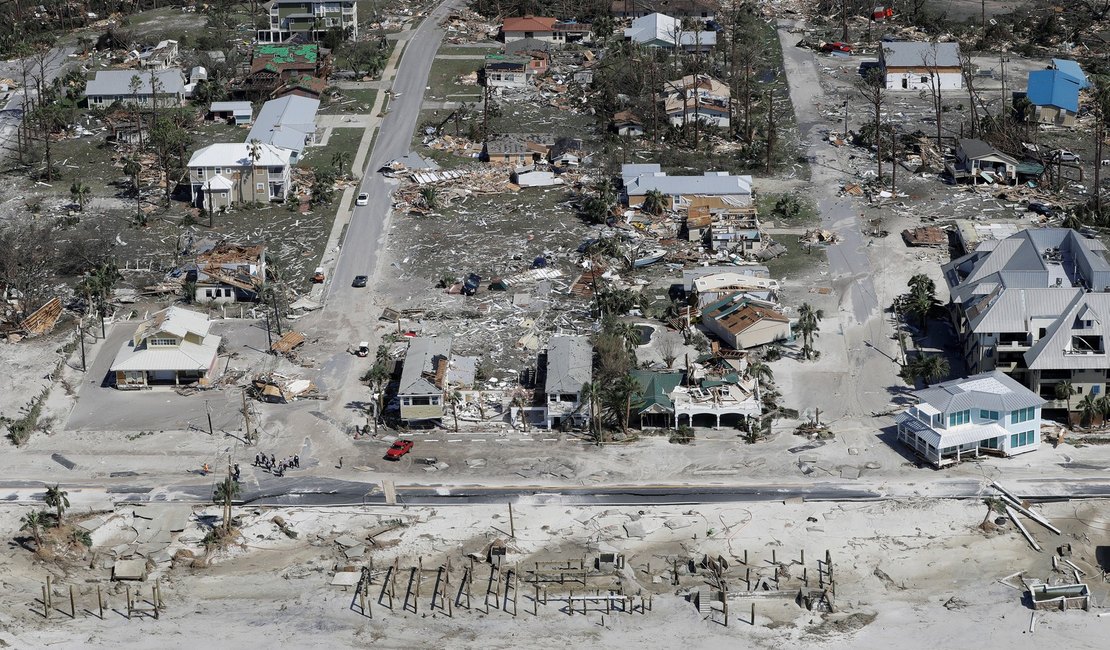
<point>274,466</point>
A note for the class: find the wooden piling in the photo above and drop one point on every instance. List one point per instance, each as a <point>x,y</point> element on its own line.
<point>516,588</point>
<point>753,614</point>
<point>419,579</point>
<point>45,604</point>
<point>128,594</point>
<point>570,603</point>
<point>745,556</point>
<point>803,557</point>
<point>100,602</point>
<point>774,560</point>
<point>72,604</point>
<point>748,577</point>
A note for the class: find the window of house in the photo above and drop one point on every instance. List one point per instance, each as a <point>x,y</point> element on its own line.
<point>1023,415</point>
<point>155,342</point>
<point>1022,439</point>
<point>406,401</point>
<point>261,187</point>
<point>988,415</point>
<point>421,401</point>
<point>201,174</point>
<point>207,293</point>
<point>958,418</point>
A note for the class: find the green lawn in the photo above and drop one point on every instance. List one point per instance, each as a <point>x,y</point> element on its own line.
<point>807,214</point>
<point>343,140</point>
<point>359,100</point>
<point>486,48</point>
<point>796,261</point>
<point>442,80</point>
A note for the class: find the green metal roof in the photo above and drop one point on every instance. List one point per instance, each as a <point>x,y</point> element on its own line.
<point>289,53</point>
<point>658,387</point>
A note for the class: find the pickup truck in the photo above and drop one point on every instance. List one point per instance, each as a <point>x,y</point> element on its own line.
<point>399,448</point>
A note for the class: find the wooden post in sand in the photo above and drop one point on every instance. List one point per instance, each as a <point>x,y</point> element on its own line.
<point>100,602</point>
<point>128,594</point>
<point>72,604</point>
<point>45,604</point>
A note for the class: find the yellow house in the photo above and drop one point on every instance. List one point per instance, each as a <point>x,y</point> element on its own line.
<point>423,378</point>
<point>170,348</point>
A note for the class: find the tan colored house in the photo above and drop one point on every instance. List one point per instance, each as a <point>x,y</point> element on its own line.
<point>223,174</point>
<point>744,323</point>
<point>423,378</point>
<point>170,348</point>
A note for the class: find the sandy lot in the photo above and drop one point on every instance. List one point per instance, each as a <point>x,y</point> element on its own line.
<point>922,574</point>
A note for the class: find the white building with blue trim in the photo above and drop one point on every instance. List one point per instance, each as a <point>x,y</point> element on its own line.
<point>985,414</point>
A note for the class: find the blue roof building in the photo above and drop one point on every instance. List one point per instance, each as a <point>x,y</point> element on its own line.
<point>1072,69</point>
<point>1056,96</point>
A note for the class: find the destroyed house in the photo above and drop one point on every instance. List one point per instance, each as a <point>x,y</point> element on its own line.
<point>309,19</point>
<point>678,191</point>
<point>529,26</point>
<point>1036,305</point>
<point>516,149</point>
<point>170,348</point>
<point>272,65</point>
<point>227,273</point>
<point>423,378</point>
<point>301,86</point>
<point>569,365</point>
<point>288,122</point>
<point>705,9</point>
<point>509,71</point>
<point>134,87</point>
<point>912,65</point>
<point>742,322</point>
<point>979,161</point>
<point>988,413</point>
<point>626,123</point>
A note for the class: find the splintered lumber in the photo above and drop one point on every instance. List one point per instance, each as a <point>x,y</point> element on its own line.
<point>1028,537</point>
<point>43,319</point>
<point>288,342</point>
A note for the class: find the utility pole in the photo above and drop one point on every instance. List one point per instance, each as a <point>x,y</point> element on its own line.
<point>246,417</point>
<point>277,316</point>
<point>81,325</point>
<point>211,432</point>
<point>893,158</point>
<point>770,126</point>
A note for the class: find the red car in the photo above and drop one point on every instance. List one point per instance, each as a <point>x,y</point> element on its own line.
<point>399,448</point>
<point>837,47</point>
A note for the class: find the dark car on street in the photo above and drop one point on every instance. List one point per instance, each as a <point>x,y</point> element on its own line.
<point>360,281</point>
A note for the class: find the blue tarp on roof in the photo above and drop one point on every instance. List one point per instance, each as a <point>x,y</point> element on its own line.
<point>1053,88</point>
<point>1073,70</point>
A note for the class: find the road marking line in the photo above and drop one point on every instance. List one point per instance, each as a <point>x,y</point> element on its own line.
<point>477,440</point>
<point>432,440</point>
<point>455,440</point>
<point>550,439</point>
<point>502,440</point>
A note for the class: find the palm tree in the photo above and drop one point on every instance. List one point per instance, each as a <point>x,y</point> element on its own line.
<point>591,394</point>
<point>623,392</point>
<point>226,490</point>
<point>808,324</point>
<point>58,499</point>
<point>455,398</point>
<point>520,403</point>
<point>255,155</point>
<point>761,372</point>
<point>931,368</point>
<point>922,283</point>
<point>653,202</point>
<point>1089,409</point>
<point>340,159</point>
<point>132,168</point>
<point>624,331</point>
<point>429,196</point>
<point>921,304</point>
<point>1064,390</point>
<point>80,193</point>
<point>34,521</point>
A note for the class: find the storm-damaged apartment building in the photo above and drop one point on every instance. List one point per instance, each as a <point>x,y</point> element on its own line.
<point>1036,305</point>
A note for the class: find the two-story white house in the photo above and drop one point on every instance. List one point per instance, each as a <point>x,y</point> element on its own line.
<point>310,19</point>
<point>226,173</point>
<point>569,367</point>
<point>988,413</point>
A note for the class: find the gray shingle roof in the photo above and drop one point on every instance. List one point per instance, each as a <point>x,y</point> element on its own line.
<point>420,363</point>
<point>992,391</point>
<point>976,148</point>
<point>641,179</point>
<point>569,364</point>
<point>912,54</point>
<point>1056,351</point>
<point>118,82</point>
<point>285,122</point>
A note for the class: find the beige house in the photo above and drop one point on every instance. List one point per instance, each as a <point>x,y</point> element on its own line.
<point>423,378</point>
<point>170,348</point>
<point>223,174</point>
<point>742,322</point>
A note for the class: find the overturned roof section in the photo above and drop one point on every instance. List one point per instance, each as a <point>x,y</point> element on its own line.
<point>569,364</point>
<point>1072,69</point>
<point>422,373</point>
<point>989,390</point>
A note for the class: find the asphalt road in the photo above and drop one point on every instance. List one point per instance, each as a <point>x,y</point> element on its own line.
<point>12,112</point>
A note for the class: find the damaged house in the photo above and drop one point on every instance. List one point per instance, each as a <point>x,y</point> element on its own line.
<point>679,191</point>
<point>224,174</point>
<point>569,366</point>
<point>696,97</point>
<point>273,65</point>
<point>663,31</point>
<point>227,273</point>
<point>1036,305</point>
<point>742,322</point>
<point>978,161</point>
<point>511,71</point>
<point>423,379</point>
<point>170,348</point>
<point>289,123</point>
<point>912,65</point>
<point>309,19</point>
